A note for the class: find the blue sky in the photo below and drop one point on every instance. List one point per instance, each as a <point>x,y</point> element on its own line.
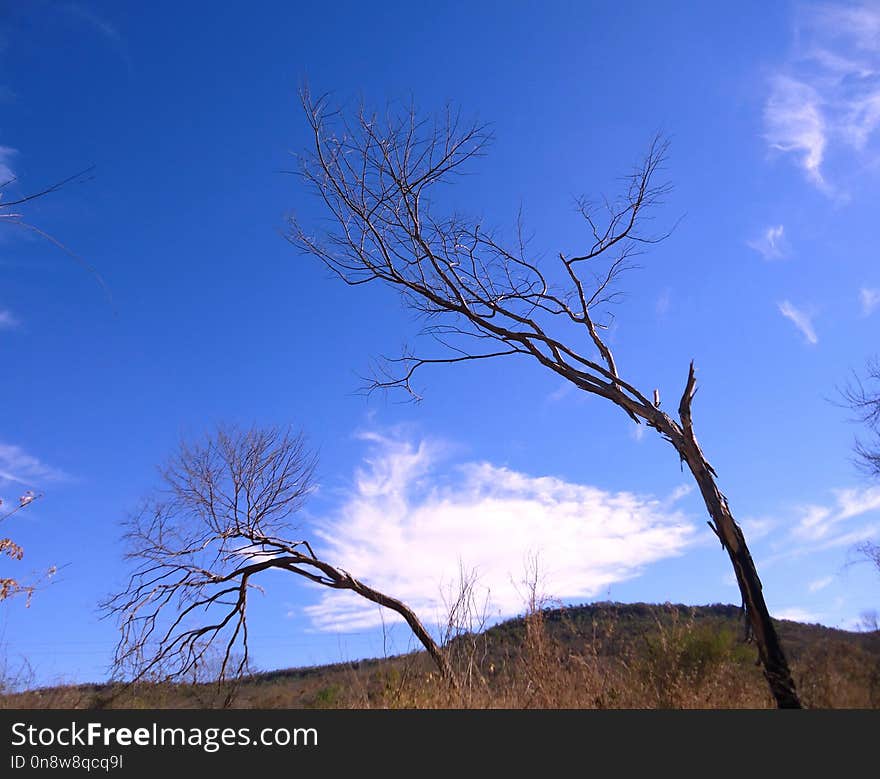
<point>190,116</point>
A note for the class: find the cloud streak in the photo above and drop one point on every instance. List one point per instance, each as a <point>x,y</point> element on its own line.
<point>821,523</point>
<point>801,320</point>
<point>664,301</point>
<point>797,615</point>
<point>104,28</point>
<point>820,584</point>
<point>19,467</point>
<point>6,172</point>
<point>827,96</point>
<point>770,244</point>
<point>794,123</point>
<point>410,525</point>
<point>823,531</point>
<point>869,300</point>
<point>7,320</point>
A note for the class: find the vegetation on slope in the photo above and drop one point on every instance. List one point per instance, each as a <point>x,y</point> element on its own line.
<point>602,655</point>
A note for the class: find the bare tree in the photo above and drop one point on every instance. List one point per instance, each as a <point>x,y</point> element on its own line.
<point>224,515</point>
<point>486,297</point>
<point>863,397</point>
<point>869,552</point>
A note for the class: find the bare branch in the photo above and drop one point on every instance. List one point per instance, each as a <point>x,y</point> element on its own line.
<point>377,178</point>
<point>81,176</point>
<point>17,219</point>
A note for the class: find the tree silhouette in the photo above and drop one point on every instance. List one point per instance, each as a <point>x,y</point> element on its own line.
<point>225,514</point>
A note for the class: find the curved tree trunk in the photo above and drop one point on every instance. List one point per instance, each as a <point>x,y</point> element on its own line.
<point>770,652</point>
<point>342,580</point>
<point>412,620</point>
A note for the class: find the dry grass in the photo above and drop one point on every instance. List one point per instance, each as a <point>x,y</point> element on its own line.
<point>673,659</point>
<point>679,664</point>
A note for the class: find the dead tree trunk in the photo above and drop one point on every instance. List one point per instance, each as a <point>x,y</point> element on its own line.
<point>770,652</point>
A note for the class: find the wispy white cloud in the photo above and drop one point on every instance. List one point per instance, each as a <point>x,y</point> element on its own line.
<point>853,537</point>
<point>680,492</point>
<point>19,467</point>
<point>637,432</point>
<point>564,389</point>
<point>7,95</point>
<point>854,502</point>
<point>856,24</point>
<point>412,522</point>
<point>820,584</point>
<point>827,95</point>
<point>801,319</point>
<point>821,522</point>
<point>7,320</point>
<point>6,172</point>
<point>850,518</point>
<point>103,27</point>
<point>663,303</point>
<point>796,614</point>
<point>758,527</point>
<point>770,243</point>
<point>814,522</point>
<point>794,123</point>
<point>870,300</point>
<point>567,392</point>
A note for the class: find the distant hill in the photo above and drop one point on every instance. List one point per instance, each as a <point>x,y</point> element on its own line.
<point>590,656</point>
<point>634,620</point>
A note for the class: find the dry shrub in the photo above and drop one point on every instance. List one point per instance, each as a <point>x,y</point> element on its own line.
<point>833,674</point>
<point>680,663</point>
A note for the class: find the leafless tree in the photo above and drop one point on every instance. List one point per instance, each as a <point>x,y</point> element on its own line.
<point>485,296</point>
<point>869,551</point>
<point>863,397</point>
<point>224,515</point>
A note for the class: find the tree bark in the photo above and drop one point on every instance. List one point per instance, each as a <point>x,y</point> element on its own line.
<point>770,652</point>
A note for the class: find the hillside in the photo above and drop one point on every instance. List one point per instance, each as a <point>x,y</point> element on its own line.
<point>602,655</point>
